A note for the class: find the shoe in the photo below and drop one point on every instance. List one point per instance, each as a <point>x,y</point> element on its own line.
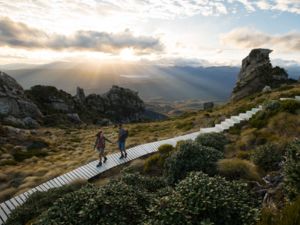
<point>122,156</point>
<point>125,155</point>
<point>99,164</point>
<point>105,159</point>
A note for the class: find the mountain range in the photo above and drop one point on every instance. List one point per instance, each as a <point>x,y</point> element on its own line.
<point>153,82</point>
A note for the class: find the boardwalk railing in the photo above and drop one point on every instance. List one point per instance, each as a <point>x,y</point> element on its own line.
<point>90,170</point>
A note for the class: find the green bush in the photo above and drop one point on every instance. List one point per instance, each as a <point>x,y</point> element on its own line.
<point>200,199</point>
<point>155,163</point>
<point>291,169</point>
<point>267,157</point>
<point>261,118</point>
<point>191,156</point>
<point>243,154</point>
<point>214,140</point>
<point>185,125</point>
<point>39,202</point>
<point>150,184</point>
<point>235,169</point>
<point>290,215</point>
<point>290,106</point>
<point>115,203</point>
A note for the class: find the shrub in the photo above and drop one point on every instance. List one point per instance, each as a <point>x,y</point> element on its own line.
<point>214,140</point>
<point>234,169</point>
<point>243,154</point>
<point>155,163</point>
<point>114,203</point>
<point>290,215</point>
<point>151,184</point>
<point>22,155</point>
<point>39,202</point>
<point>261,118</point>
<point>185,125</point>
<point>200,199</point>
<point>267,157</point>
<point>290,106</point>
<point>191,156</point>
<point>292,169</point>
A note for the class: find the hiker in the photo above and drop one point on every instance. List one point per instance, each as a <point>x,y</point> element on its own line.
<point>100,146</point>
<point>123,134</point>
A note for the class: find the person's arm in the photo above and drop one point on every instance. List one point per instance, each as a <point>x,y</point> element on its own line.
<point>108,140</point>
<point>96,142</point>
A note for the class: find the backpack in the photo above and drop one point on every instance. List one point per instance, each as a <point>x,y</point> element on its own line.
<point>126,134</point>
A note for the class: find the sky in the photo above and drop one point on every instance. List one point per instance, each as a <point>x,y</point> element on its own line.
<point>171,32</point>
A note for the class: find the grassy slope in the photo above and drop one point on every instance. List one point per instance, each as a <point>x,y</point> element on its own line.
<point>69,148</point>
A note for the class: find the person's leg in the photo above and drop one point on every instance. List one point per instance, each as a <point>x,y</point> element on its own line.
<point>120,148</point>
<point>100,159</point>
<point>104,156</point>
<point>124,149</point>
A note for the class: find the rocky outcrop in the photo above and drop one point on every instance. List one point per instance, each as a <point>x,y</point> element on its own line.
<point>256,73</point>
<point>15,108</point>
<point>80,95</point>
<point>208,105</point>
<point>118,104</point>
<point>51,106</point>
<point>51,100</point>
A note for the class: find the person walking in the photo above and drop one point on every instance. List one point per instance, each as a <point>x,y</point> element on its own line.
<point>100,147</point>
<point>123,134</point>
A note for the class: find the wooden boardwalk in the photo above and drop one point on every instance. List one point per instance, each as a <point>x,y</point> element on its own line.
<point>90,170</point>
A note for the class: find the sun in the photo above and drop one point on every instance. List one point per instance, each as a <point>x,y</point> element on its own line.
<point>128,54</point>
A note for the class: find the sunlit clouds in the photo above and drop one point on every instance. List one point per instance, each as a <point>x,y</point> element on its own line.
<point>202,32</point>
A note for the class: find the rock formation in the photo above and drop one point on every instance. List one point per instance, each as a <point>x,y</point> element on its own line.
<point>15,108</point>
<point>256,73</point>
<point>80,95</point>
<point>53,107</point>
<point>208,105</point>
<point>118,104</point>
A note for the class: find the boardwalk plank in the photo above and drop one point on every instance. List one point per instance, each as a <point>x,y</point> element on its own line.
<point>5,208</point>
<point>3,214</point>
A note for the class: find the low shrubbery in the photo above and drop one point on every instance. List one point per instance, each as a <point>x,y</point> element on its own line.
<point>261,118</point>
<point>151,184</point>
<point>292,169</point>
<point>115,203</point>
<point>290,215</point>
<point>200,199</point>
<point>214,140</point>
<point>244,154</point>
<point>235,169</point>
<point>267,157</point>
<point>191,156</point>
<point>155,163</point>
<point>39,202</point>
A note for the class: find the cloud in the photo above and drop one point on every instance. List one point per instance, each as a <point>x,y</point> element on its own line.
<point>246,38</point>
<point>19,35</point>
<point>291,6</point>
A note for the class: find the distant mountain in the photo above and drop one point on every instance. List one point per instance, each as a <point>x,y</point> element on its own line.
<point>151,81</point>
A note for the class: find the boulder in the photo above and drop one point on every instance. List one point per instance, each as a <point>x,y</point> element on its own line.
<point>208,105</point>
<point>30,123</point>
<point>118,104</point>
<point>266,89</point>
<point>14,105</point>
<point>256,73</point>
<point>74,117</point>
<point>51,100</point>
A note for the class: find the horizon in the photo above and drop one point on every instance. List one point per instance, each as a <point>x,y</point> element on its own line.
<point>185,33</point>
